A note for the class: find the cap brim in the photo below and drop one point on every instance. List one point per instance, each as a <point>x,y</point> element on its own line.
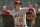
<point>20,3</point>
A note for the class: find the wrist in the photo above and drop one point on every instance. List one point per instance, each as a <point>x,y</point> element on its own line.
<point>33,21</point>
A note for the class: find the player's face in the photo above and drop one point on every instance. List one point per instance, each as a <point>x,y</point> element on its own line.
<point>18,6</point>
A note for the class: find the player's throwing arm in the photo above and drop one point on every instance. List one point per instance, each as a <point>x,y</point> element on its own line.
<point>7,12</point>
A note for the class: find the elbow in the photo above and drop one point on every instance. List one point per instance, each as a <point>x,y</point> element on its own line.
<point>7,12</point>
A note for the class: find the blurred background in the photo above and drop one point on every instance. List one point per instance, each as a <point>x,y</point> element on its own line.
<point>7,21</point>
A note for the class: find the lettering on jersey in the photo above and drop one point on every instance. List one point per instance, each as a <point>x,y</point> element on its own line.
<point>18,15</point>
<point>21,19</point>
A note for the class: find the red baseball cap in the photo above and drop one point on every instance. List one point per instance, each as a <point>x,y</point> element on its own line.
<point>17,2</point>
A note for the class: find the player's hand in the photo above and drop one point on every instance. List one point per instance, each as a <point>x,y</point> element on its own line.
<point>33,23</point>
<point>4,7</point>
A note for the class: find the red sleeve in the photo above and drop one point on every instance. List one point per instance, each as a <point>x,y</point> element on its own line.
<point>32,9</point>
<point>7,12</point>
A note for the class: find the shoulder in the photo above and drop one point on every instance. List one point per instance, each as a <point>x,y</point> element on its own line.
<point>13,10</point>
<point>24,8</point>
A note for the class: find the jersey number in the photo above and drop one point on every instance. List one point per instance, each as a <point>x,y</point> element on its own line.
<point>21,19</point>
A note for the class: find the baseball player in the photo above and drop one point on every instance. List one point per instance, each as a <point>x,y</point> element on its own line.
<point>19,14</point>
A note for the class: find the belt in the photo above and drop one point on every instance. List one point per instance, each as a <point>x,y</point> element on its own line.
<point>20,25</point>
